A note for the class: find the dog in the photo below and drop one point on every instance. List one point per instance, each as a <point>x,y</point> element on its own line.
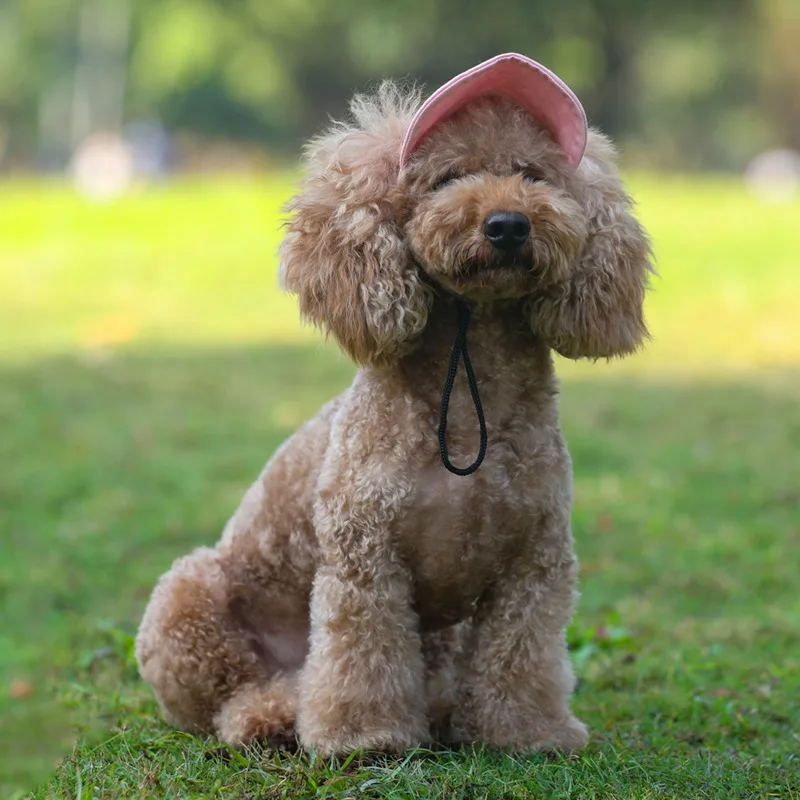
<point>402,572</point>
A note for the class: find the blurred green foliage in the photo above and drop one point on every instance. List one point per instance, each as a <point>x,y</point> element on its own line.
<point>686,83</point>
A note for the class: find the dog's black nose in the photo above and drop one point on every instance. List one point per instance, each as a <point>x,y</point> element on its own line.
<point>507,230</point>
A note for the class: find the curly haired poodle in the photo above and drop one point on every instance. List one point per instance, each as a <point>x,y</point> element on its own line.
<point>364,595</point>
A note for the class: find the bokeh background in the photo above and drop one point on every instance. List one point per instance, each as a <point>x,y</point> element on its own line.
<point>686,85</point>
<point>149,364</point>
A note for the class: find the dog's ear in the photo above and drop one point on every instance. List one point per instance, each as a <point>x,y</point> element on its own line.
<point>344,254</point>
<point>597,310</point>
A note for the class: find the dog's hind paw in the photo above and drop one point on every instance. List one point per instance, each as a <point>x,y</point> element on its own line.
<point>255,714</point>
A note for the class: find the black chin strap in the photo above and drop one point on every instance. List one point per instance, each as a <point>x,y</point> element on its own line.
<point>459,352</point>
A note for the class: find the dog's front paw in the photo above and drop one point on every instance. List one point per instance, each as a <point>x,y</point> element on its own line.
<point>341,741</point>
<point>570,735</point>
<point>563,735</point>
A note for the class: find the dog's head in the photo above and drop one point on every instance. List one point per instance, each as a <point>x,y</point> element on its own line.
<point>494,210</point>
<point>488,207</point>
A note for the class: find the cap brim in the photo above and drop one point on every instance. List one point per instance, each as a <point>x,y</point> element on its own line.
<point>535,88</point>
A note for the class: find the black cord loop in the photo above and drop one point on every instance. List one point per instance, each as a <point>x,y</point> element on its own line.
<point>459,352</point>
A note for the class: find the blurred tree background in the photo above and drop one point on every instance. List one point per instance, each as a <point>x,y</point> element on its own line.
<point>685,84</point>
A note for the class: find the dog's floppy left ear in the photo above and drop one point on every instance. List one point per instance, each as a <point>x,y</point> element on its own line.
<point>597,310</point>
<point>344,254</point>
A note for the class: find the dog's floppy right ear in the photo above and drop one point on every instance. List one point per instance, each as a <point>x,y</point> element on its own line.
<point>344,254</point>
<point>597,311</point>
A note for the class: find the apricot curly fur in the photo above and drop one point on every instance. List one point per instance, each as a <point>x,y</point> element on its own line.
<point>362,596</point>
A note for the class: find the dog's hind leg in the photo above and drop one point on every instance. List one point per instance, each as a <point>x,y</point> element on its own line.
<point>214,667</point>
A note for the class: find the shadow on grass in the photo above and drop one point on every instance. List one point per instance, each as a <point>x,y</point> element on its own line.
<point>687,496</point>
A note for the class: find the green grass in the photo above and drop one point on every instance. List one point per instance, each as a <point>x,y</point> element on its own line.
<point>148,368</point>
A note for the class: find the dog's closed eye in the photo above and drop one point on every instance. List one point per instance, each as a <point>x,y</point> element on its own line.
<point>448,177</point>
<point>531,176</point>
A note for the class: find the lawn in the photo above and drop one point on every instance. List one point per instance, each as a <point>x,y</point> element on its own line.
<point>149,366</point>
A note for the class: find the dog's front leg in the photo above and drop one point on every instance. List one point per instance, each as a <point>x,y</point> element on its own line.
<point>363,682</point>
<point>518,678</point>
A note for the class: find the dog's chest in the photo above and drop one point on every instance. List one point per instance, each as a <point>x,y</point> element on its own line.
<point>457,537</point>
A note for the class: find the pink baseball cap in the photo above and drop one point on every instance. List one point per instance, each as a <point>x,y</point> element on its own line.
<point>539,91</point>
